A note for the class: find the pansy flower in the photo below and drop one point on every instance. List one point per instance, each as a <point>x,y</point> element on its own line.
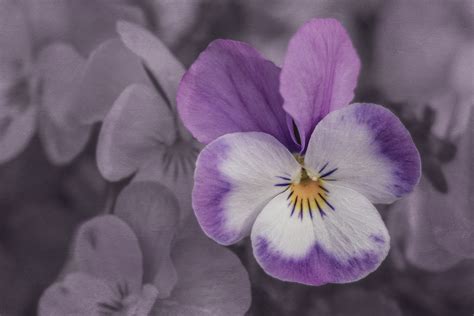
<point>133,263</point>
<point>288,162</point>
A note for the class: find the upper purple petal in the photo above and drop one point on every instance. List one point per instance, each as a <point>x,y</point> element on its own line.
<point>319,73</point>
<point>232,88</point>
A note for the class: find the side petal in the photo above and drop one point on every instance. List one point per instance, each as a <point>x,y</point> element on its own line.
<point>365,147</point>
<point>236,176</point>
<point>152,212</point>
<point>319,73</point>
<point>232,88</point>
<point>106,247</point>
<point>109,70</point>
<point>341,239</point>
<point>61,68</point>
<point>138,123</point>
<point>212,281</point>
<point>77,294</point>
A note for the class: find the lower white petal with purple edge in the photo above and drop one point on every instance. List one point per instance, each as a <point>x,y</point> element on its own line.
<point>332,237</point>
<point>236,176</point>
<point>365,147</point>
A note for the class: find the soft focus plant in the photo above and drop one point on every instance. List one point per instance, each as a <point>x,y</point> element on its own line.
<point>134,263</point>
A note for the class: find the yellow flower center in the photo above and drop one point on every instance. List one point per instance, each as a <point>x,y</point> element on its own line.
<point>308,196</point>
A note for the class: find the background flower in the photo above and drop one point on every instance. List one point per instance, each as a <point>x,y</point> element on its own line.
<point>42,61</point>
<point>142,134</point>
<point>101,277</point>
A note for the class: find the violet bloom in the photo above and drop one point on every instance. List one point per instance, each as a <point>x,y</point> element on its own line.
<point>297,171</point>
<point>132,263</point>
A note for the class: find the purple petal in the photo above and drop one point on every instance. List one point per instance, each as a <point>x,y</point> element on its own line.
<point>236,175</point>
<point>138,124</point>
<point>61,68</point>
<point>212,281</point>
<point>106,247</point>
<point>232,88</point>
<point>109,70</point>
<point>77,294</point>
<point>319,73</point>
<point>365,147</point>
<point>339,239</point>
<point>152,212</point>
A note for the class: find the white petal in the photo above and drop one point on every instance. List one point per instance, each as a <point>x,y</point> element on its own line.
<point>340,239</point>
<point>366,148</point>
<point>236,176</point>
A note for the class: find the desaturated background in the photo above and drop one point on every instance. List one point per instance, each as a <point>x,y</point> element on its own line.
<point>417,58</point>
